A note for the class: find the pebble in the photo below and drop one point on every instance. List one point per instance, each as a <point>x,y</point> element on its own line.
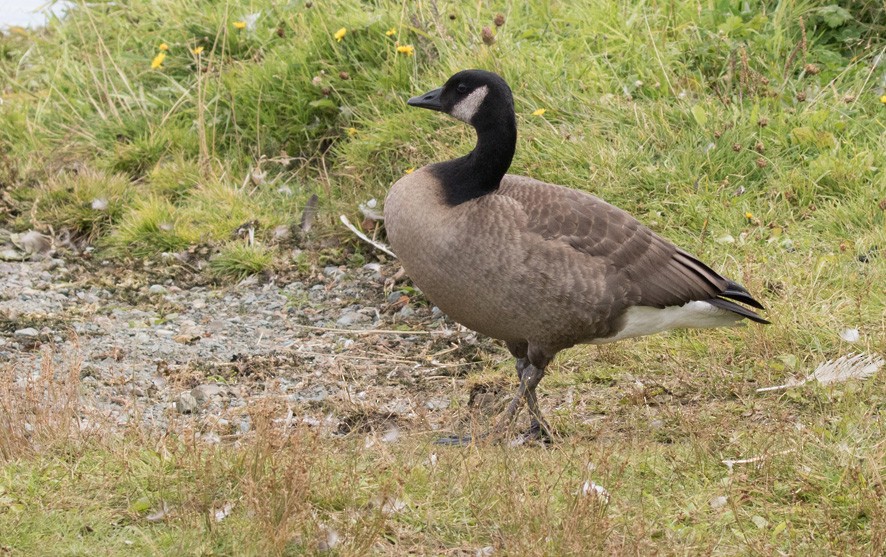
<point>202,393</point>
<point>186,403</point>
<point>406,311</point>
<point>333,272</point>
<point>394,296</point>
<point>437,404</point>
<point>350,318</point>
<point>221,325</point>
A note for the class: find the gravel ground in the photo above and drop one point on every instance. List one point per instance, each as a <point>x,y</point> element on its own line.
<point>153,345</point>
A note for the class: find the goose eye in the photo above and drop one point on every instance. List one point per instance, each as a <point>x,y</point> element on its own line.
<point>462,88</point>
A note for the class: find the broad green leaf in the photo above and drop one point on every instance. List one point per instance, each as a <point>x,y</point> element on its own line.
<point>324,104</point>
<point>701,117</point>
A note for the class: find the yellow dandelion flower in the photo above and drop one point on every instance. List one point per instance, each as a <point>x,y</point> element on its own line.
<point>410,170</point>
<point>158,60</point>
<point>197,51</point>
<point>163,46</point>
<point>748,215</point>
<point>406,49</point>
<point>352,132</point>
<point>340,34</point>
<point>239,25</point>
<point>883,99</point>
<point>391,31</point>
<point>539,112</point>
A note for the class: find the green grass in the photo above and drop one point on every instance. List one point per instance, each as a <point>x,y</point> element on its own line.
<point>751,134</point>
<point>816,490</point>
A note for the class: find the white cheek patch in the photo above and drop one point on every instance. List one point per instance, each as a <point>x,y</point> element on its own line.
<point>468,106</point>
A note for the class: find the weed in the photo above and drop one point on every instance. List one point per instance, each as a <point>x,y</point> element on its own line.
<point>237,260</point>
<point>87,202</point>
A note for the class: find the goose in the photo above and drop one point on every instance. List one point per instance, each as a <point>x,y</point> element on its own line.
<point>539,266</point>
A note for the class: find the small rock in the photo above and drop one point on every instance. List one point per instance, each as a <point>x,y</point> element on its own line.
<point>718,502</point>
<point>406,311</point>
<point>392,435</point>
<point>437,404</point>
<point>351,317</point>
<point>28,332</point>
<point>186,403</point>
<point>395,296</point>
<point>202,393</point>
<point>32,241</point>
<point>333,272</point>
<point>282,233</point>
<point>157,289</point>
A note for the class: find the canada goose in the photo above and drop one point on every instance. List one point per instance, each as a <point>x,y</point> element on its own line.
<point>539,266</point>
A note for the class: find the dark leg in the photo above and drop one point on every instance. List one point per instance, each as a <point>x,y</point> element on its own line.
<point>538,426</point>
<point>520,351</point>
<point>530,364</point>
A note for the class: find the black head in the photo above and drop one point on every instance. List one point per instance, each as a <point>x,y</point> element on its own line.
<point>477,97</point>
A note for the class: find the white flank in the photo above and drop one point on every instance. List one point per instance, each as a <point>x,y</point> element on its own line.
<point>644,320</point>
<point>466,108</point>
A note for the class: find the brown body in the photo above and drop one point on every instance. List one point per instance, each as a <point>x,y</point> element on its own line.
<point>537,262</point>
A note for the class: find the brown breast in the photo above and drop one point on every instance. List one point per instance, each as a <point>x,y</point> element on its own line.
<point>483,266</point>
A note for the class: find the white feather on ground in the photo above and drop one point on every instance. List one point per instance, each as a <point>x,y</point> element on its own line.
<point>377,245</point>
<point>844,368</point>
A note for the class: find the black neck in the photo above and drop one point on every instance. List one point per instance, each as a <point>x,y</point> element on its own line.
<point>480,171</point>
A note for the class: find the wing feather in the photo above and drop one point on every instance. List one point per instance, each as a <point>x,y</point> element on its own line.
<point>658,273</point>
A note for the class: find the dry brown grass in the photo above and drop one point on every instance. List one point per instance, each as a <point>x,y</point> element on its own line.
<point>39,412</point>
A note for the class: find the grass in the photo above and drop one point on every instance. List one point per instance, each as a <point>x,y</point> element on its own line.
<point>750,134</point>
<point>817,488</point>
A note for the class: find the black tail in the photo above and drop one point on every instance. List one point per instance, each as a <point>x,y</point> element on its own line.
<point>740,310</point>
<point>737,292</point>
